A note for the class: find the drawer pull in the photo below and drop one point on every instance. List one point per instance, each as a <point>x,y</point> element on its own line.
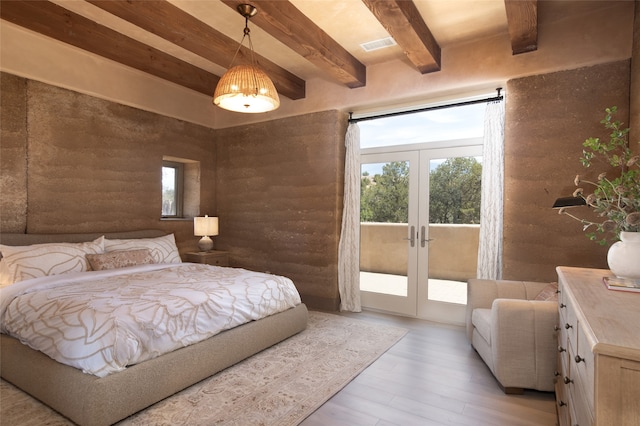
<point>561,349</point>
<point>562,403</point>
<point>556,328</point>
<point>562,305</point>
<point>578,358</point>
<point>556,373</point>
<point>568,326</point>
<point>567,380</point>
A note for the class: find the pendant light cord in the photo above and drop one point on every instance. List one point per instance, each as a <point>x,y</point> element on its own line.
<point>246,34</point>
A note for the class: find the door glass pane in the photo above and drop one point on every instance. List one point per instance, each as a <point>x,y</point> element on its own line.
<point>384,206</point>
<point>454,226</point>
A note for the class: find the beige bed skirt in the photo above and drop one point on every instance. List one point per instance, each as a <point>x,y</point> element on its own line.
<point>90,400</point>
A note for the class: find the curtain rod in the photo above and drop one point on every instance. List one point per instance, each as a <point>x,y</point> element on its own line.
<point>496,98</point>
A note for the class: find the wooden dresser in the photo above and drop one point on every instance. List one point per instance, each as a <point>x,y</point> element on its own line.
<point>598,376</point>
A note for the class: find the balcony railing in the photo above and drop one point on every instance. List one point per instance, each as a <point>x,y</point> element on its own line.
<point>453,250</point>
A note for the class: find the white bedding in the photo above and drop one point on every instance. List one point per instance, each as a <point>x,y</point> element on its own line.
<point>103,321</point>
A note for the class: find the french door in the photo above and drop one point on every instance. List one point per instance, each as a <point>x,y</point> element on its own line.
<point>396,236</point>
<point>388,249</point>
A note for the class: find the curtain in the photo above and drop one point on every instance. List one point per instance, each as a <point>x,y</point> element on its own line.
<point>349,246</point>
<point>491,204</point>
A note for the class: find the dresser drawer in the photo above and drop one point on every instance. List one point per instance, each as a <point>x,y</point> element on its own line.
<point>563,401</point>
<point>562,404</point>
<point>563,342</point>
<point>583,365</point>
<point>562,302</point>
<point>579,389</point>
<point>569,325</point>
<point>568,322</point>
<point>581,410</point>
<point>579,417</point>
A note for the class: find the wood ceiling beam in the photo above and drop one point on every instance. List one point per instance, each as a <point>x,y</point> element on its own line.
<point>403,21</point>
<point>282,20</point>
<point>61,24</point>
<point>522,18</point>
<point>177,26</point>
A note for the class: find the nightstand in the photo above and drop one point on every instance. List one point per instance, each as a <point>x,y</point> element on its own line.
<point>213,257</point>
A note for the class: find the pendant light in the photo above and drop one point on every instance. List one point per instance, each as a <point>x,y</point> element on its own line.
<point>246,88</point>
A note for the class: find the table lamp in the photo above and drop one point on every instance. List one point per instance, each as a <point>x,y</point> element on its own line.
<point>205,227</point>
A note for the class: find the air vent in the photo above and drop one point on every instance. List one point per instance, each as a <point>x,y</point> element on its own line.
<point>378,44</point>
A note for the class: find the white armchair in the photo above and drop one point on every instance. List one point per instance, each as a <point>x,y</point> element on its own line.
<point>511,325</point>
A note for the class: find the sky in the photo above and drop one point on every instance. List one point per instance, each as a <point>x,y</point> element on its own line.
<point>429,126</point>
<point>424,127</point>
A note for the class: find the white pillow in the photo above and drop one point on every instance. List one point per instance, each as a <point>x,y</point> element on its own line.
<point>21,263</point>
<point>163,249</point>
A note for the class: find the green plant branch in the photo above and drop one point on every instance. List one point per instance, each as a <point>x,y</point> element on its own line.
<point>616,200</point>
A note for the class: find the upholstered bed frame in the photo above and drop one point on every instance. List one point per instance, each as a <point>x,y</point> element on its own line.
<point>90,400</point>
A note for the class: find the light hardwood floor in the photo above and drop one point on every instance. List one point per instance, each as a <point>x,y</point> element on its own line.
<point>431,377</point>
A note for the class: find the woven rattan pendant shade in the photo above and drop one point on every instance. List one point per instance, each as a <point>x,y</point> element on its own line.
<point>246,88</point>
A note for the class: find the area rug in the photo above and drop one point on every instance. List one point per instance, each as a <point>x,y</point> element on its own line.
<point>279,386</point>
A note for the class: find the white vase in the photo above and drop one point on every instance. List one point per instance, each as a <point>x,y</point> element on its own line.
<point>624,256</point>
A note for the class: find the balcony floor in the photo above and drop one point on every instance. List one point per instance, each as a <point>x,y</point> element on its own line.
<point>439,290</point>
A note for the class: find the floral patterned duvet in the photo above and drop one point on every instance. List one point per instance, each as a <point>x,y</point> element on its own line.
<point>103,321</point>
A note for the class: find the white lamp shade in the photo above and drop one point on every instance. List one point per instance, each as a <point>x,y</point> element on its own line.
<point>205,226</point>
<point>246,88</point>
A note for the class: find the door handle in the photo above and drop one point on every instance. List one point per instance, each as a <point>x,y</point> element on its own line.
<point>423,237</point>
<point>413,236</point>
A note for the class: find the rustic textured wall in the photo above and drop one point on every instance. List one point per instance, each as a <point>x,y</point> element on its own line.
<point>13,153</point>
<point>634,120</point>
<point>279,198</point>
<point>91,165</point>
<point>548,117</point>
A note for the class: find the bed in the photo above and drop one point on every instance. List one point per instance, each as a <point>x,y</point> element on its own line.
<point>88,399</point>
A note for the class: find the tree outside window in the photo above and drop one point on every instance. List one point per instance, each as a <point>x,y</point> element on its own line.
<point>454,193</point>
